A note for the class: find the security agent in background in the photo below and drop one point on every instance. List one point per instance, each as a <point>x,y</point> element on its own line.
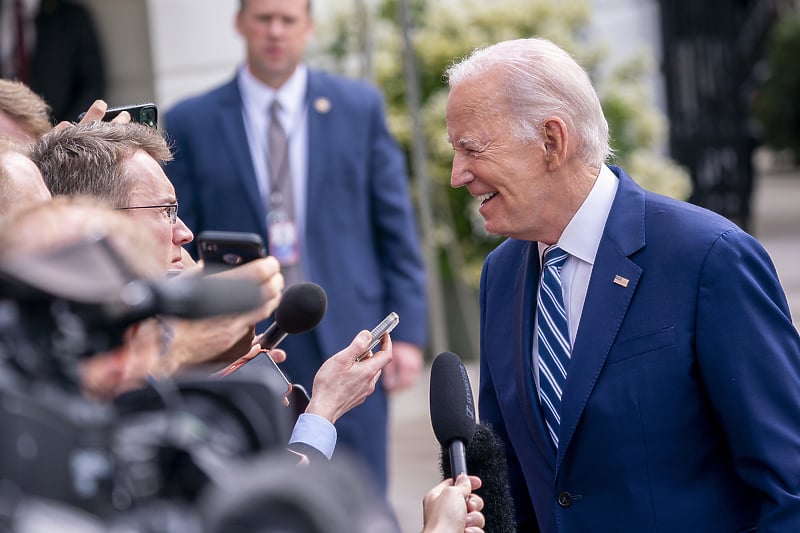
<point>304,158</point>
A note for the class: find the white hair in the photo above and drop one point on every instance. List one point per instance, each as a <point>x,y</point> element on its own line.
<point>541,80</point>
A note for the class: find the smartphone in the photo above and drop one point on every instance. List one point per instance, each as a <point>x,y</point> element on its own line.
<point>146,114</point>
<point>220,250</point>
<point>295,396</point>
<point>385,326</point>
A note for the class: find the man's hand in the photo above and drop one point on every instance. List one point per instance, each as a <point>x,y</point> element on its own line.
<point>405,368</point>
<point>95,113</point>
<point>341,383</point>
<point>224,339</point>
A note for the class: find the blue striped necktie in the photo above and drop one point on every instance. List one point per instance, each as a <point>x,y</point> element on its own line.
<point>552,338</point>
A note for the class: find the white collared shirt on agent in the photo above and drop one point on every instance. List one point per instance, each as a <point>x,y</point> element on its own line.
<point>256,101</point>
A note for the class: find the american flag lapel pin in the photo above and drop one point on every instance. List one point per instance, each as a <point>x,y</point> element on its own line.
<point>622,282</point>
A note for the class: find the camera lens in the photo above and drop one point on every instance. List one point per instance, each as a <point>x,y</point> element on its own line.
<point>148,116</point>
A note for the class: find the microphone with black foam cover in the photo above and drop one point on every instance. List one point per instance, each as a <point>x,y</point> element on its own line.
<point>452,409</point>
<point>486,458</point>
<point>302,307</point>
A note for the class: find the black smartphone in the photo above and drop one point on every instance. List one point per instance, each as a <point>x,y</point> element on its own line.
<point>384,326</point>
<point>220,250</point>
<point>146,114</point>
<point>295,396</point>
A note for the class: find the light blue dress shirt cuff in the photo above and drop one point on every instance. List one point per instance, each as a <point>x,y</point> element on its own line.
<point>315,431</point>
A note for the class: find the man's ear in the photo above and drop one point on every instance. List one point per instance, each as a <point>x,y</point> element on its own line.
<point>555,142</point>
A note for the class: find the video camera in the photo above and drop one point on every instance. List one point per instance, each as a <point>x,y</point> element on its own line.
<point>145,460</point>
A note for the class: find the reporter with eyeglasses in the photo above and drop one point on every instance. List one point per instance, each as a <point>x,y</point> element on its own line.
<point>121,165</point>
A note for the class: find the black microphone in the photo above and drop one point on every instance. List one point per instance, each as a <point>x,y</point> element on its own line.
<point>452,409</point>
<point>486,458</point>
<point>302,307</point>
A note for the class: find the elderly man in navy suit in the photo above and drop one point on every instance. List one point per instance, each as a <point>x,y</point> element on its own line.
<point>304,159</point>
<point>638,357</point>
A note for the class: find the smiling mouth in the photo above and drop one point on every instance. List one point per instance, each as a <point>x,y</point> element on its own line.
<point>483,198</point>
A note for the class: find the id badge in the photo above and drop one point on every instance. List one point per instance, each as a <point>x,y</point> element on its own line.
<point>283,241</point>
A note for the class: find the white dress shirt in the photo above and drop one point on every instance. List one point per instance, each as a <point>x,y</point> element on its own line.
<point>580,240</point>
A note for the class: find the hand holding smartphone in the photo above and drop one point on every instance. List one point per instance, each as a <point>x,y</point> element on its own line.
<point>385,326</point>
<point>146,114</point>
<point>220,250</point>
<point>294,395</point>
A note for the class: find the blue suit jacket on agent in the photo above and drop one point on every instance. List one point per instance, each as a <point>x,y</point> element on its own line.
<point>361,238</point>
<point>681,410</point>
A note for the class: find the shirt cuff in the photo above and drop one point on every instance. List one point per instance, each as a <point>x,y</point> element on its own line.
<point>316,432</point>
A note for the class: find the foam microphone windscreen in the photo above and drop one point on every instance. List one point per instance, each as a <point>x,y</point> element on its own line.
<point>302,307</point>
<point>451,403</point>
<point>486,458</point>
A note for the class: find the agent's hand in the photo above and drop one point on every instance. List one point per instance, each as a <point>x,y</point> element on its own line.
<point>341,383</point>
<point>405,368</point>
<point>449,508</point>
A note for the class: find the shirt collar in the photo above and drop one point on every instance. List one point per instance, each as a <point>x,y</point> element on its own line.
<point>257,97</point>
<point>581,237</point>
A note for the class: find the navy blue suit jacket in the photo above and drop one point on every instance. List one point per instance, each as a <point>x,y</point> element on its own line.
<point>361,237</point>
<point>681,410</point>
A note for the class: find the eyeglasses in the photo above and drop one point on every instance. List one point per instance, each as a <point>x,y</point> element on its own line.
<point>170,210</point>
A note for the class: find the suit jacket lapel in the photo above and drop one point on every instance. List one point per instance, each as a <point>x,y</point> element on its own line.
<point>527,282</point>
<point>319,129</point>
<point>231,121</point>
<point>606,303</point>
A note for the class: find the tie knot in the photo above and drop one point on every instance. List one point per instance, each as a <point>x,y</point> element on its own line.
<point>274,109</point>
<point>554,257</point>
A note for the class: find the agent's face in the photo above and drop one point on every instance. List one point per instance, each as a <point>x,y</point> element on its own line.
<point>276,33</point>
<point>507,176</point>
<point>154,188</point>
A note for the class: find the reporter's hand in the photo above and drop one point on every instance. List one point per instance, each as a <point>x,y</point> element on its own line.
<point>95,113</point>
<point>265,271</point>
<point>224,339</point>
<point>341,383</point>
<point>452,508</point>
<point>405,368</point>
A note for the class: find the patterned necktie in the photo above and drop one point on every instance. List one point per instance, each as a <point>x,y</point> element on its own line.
<point>284,243</point>
<point>279,174</point>
<point>552,338</point>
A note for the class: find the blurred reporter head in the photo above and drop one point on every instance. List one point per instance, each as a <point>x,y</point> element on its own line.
<point>120,164</point>
<point>21,183</point>
<point>49,226</point>
<point>24,115</point>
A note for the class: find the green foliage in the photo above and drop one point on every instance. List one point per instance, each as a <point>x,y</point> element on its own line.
<point>447,30</point>
<point>777,106</point>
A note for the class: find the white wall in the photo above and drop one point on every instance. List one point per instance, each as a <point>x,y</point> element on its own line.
<point>195,46</point>
<point>123,32</point>
<point>627,27</point>
<point>164,50</point>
